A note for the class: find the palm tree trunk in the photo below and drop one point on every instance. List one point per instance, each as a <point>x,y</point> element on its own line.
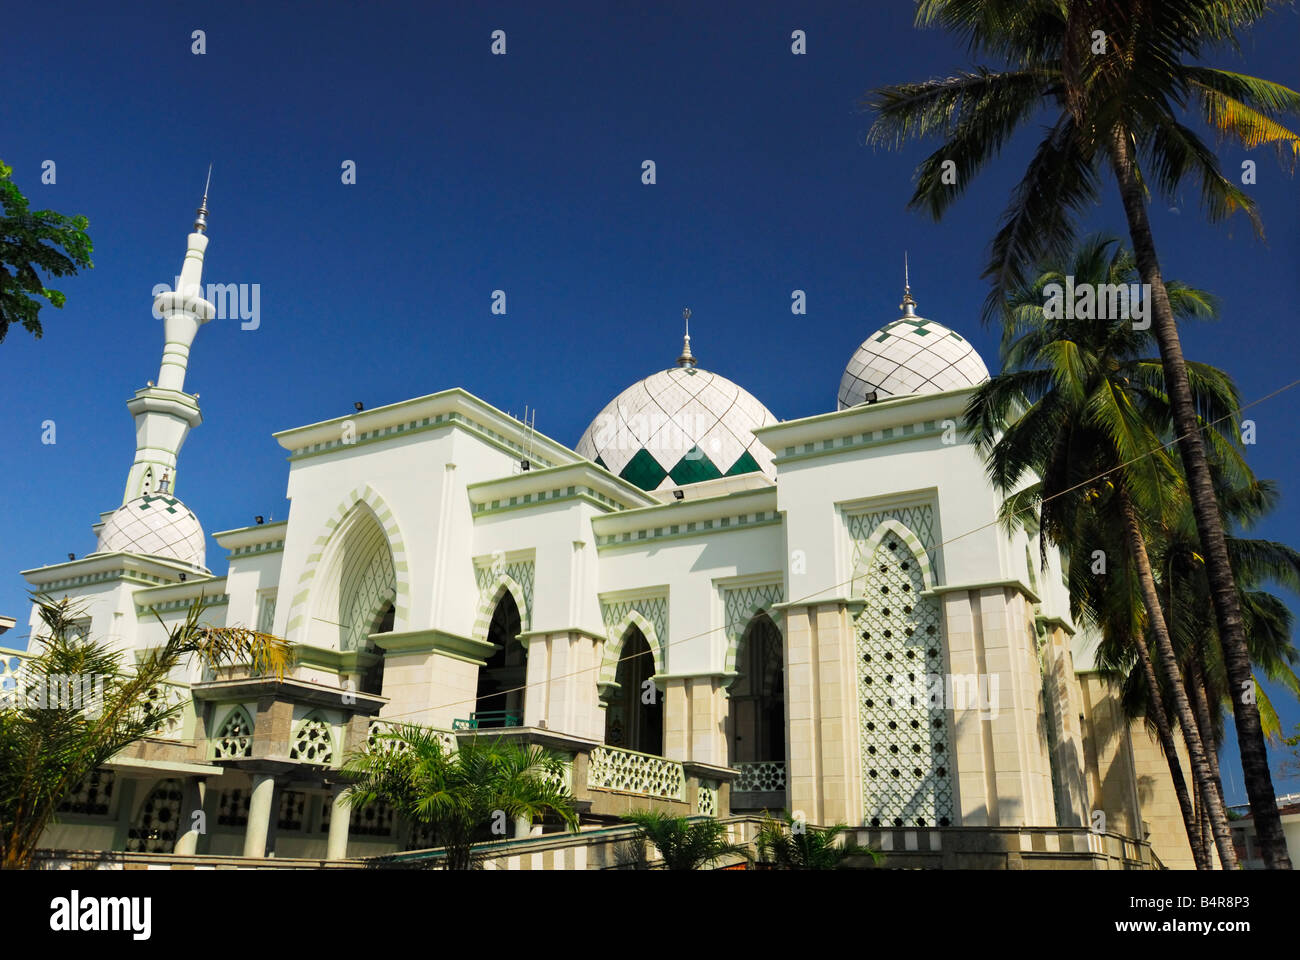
<point>1169,665</point>
<point>1201,704</point>
<point>1205,507</point>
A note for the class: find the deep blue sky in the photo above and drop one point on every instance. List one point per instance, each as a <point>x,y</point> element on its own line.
<point>522,172</point>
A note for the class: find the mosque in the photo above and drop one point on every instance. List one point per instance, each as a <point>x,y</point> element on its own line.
<point>706,609</point>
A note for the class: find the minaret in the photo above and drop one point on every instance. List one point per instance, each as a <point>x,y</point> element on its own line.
<point>165,414</point>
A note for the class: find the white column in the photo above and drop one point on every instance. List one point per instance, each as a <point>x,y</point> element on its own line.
<point>340,820</point>
<point>259,815</point>
<point>195,791</point>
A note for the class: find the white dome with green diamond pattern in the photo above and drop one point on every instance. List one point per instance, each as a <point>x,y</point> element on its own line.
<point>679,426</point>
<point>157,525</point>
<point>909,356</point>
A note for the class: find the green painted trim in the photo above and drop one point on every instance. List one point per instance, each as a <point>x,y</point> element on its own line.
<point>1046,621</point>
<point>699,531</point>
<point>1013,584</point>
<point>424,424</point>
<point>580,631</point>
<point>481,510</point>
<point>337,661</point>
<point>434,641</point>
<point>825,451</point>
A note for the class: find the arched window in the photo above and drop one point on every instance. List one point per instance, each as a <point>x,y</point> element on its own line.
<point>234,738</point>
<point>499,700</point>
<point>154,828</point>
<point>634,718</point>
<point>757,714</point>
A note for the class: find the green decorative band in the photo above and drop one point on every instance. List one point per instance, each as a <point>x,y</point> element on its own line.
<point>433,641</point>
<point>744,521</point>
<point>418,426</point>
<point>858,441</point>
<point>557,495</point>
<point>272,546</point>
<point>168,606</point>
<point>105,576</point>
<point>1053,623</point>
<point>336,661</point>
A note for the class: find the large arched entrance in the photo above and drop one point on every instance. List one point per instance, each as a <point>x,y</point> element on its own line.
<point>634,716</point>
<point>499,700</point>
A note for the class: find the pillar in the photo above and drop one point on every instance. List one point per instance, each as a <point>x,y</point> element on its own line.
<point>194,793</point>
<point>260,809</point>
<point>340,820</point>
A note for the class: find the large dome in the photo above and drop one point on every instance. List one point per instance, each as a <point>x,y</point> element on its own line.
<point>158,525</point>
<point>909,356</point>
<point>679,426</point>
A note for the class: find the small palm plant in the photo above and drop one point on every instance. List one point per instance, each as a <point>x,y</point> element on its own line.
<point>790,844</point>
<point>46,751</point>
<point>463,796</point>
<point>686,844</point>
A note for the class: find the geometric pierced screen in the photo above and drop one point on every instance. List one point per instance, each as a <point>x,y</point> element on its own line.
<point>155,826</point>
<point>313,742</point>
<point>906,747</point>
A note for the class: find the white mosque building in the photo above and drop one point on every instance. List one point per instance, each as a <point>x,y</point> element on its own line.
<point>706,609</point>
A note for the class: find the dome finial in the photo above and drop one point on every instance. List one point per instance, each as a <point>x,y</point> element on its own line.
<point>687,359</point>
<point>201,218</point>
<point>908,306</point>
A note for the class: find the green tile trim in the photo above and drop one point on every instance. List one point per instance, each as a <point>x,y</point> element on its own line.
<point>544,497</point>
<point>860,441</point>
<point>171,605</point>
<point>712,527</point>
<point>272,546</point>
<point>420,426</point>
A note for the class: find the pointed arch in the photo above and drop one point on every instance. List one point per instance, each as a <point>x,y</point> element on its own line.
<point>234,738</point>
<point>618,637</point>
<point>154,827</point>
<point>891,527</point>
<point>491,596</point>
<point>740,607</point>
<point>314,594</point>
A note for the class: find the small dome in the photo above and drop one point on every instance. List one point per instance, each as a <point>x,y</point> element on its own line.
<point>157,525</point>
<point>679,426</point>
<point>909,356</point>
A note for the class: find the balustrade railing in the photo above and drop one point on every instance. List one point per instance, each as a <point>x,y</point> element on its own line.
<point>376,741</point>
<point>611,768</point>
<point>761,776</point>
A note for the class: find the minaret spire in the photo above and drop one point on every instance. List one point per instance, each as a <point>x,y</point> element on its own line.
<point>165,413</point>
<point>687,359</point>
<point>201,216</point>
<point>908,306</point>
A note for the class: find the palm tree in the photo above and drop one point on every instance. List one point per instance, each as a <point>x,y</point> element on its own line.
<point>465,795</point>
<point>686,844</point>
<point>45,753</point>
<point>1186,598</point>
<point>790,844</point>
<point>1117,77</point>
<point>1078,406</point>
